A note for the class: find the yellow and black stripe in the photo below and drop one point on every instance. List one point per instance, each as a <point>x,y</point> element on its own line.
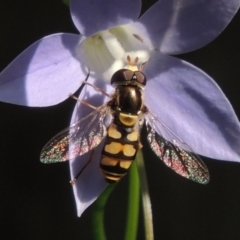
<point>120,150</point>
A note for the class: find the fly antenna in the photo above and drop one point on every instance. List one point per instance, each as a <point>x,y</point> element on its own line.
<point>132,65</point>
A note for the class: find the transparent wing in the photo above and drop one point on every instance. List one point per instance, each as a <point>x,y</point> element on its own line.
<point>84,135</point>
<point>175,153</point>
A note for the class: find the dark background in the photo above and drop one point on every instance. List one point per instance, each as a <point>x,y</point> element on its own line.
<point>36,200</point>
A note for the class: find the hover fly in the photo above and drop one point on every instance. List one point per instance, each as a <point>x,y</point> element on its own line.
<point>118,123</point>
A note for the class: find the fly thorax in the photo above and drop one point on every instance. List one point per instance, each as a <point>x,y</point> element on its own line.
<point>129,99</point>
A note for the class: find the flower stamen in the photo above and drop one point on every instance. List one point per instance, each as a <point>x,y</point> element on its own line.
<point>112,44</point>
<point>108,51</point>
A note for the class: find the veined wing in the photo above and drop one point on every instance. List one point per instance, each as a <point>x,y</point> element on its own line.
<point>79,138</point>
<point>175,153</point>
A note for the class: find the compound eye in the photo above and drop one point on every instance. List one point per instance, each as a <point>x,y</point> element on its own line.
<point>140,78</point>
<point>121,75</point>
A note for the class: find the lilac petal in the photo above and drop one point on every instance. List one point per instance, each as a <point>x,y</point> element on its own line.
<point>93,16</point>
<point>44,74</point>
<point>182,26</point>
<point>193,106</point>
<point>91,182</point>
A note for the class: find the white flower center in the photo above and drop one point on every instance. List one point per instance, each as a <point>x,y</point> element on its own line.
<point>106,52</point>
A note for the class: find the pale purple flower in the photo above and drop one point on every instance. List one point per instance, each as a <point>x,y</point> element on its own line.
<point>181,95</point>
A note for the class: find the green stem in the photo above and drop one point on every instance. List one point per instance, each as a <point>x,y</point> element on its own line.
<point>98,213</point>
<point>147,209</point>
<point>133,203</point>
<point>66,2</point>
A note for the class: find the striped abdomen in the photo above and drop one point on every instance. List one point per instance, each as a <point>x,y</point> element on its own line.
<point>120,149</point>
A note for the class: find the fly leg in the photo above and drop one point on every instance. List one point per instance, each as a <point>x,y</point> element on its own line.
<point>73,181</point>
<point>82,101</point>
<point>93,86</point>
<point>97,89</point>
